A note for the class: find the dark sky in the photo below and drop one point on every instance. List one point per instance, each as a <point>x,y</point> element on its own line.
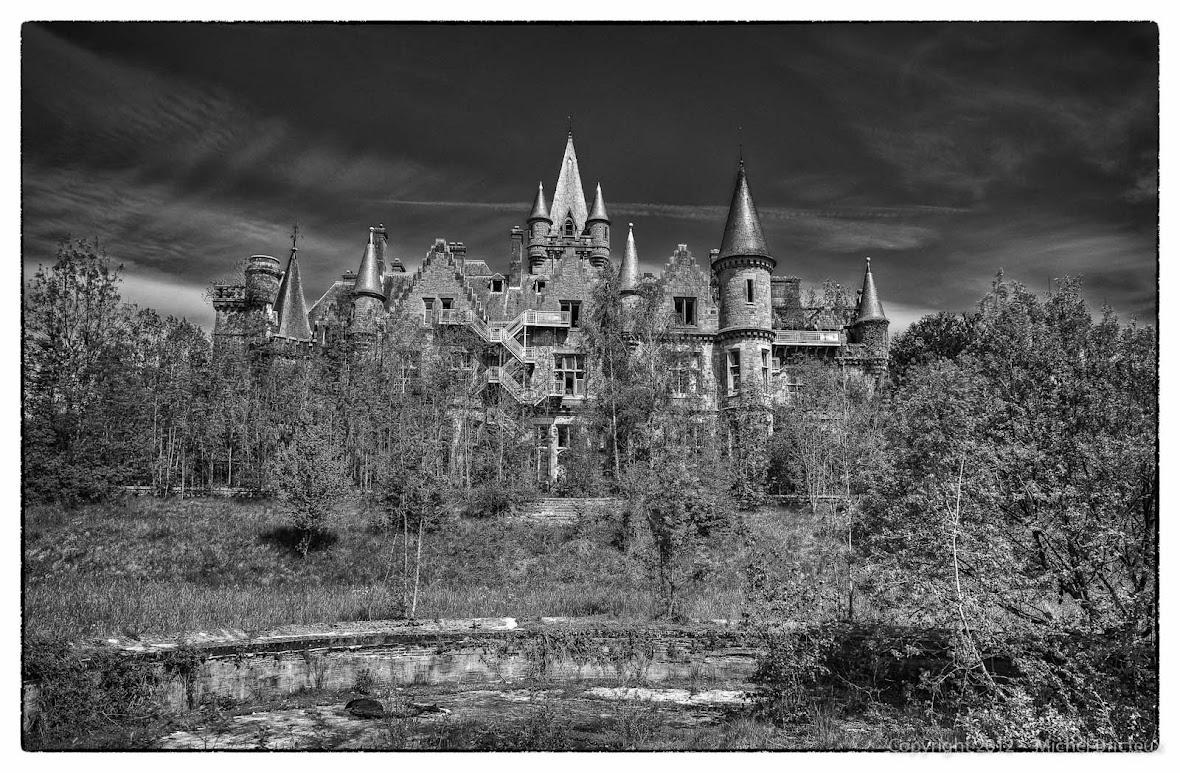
<point>944,151</point>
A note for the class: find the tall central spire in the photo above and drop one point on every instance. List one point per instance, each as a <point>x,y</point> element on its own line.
<point>743,229</point>
<point>569,199</point>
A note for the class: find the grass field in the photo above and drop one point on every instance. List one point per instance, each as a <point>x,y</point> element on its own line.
<point>145,566</point>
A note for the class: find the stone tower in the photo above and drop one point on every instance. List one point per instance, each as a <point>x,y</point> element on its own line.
<point>598,224</point>
<point>743,267</point>
<point>368,294</point>
<point>871,327</point>
<point>539,224</point>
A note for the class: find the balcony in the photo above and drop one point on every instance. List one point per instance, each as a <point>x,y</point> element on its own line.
<point>807,337</point>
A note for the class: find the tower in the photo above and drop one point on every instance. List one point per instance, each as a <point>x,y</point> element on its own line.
<point>629,270</point>
<point>539,224</point>
<point>871,327</point>
<point>291,307</point>
<point>742,268</point>
<point>598,224</point>
<point>368,294</point>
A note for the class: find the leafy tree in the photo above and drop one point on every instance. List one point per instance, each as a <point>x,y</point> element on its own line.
<point>75,352</point>
<point>944,335</point>
<point>682,506</point>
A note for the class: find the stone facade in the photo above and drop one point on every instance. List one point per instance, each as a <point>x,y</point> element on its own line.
<point>732,320</point>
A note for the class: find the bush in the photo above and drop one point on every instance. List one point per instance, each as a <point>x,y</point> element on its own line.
<point>86,691</point>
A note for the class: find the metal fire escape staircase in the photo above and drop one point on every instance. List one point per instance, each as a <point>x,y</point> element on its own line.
<point>511,376</point>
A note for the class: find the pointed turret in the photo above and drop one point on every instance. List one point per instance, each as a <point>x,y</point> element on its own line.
<point>569,199</point>
<point>291,307</point>
<point>629,270</point>
<point>869,309</point>
<point>540,211</point>
<point>598,211</point>
<point>743,230</point>
<point>598,223</point>
<point>368,280</point>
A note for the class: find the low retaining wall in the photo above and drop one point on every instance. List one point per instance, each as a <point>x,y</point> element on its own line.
<point>234,665</point>
<point>563,510</point>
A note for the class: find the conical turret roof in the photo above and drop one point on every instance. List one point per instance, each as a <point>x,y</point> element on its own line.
<point>629,270</point>
<point>743,229</point>
<point>569,199</point>
<point>540,211</point>
<point>598,210</point>
<point>291,307</point>
<point>870,305</point>
<point>368,279</point>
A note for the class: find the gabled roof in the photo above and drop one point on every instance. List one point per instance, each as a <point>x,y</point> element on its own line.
<point>629,270</point>
<point>870,305</point>
<point>743,229</point>
<point>568,197</point>
<point>291,307</point>
<point>598,211</point>
<point>368,279</point>
<point>540,210</point>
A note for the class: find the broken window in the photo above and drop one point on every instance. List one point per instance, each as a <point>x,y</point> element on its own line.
<point>428,314</point>
<point>497,285</point>
<point>686,374</point>
<point>686,311</point>
<point>448,303</point>
<point>574,309</point>
<point>735,370</point>
<point>569,374</point>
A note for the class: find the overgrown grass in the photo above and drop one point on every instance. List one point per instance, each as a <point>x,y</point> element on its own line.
<point>144,566</point>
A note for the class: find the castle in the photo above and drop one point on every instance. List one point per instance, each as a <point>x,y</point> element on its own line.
<point>733,320</point>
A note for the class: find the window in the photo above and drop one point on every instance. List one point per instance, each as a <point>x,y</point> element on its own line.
<point>686,374</point>
<point>497,285</point>
<point>461,360</point>
<point>540,285</point>
<point>749,291</point>
<point>569,375</point>
<point>735,370</point>
<point>575,311</point>
<point>569,227</point>
<point>408,371</point>
<point>766,367</point>
<point>429,305</point>
<point>448,303</point>
<point>563,436</point>
<point>686,311</point>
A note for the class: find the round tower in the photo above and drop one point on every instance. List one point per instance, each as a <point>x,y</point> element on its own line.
<point>263,274</point>
<point>743,267</point>
<point>871,326</point>
<point>368,294</point>
<point>539,224</point>
<point>599,225</point>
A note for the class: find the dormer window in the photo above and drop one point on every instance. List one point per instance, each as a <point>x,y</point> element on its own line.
<point>497,285</point>
<point>568,229</point>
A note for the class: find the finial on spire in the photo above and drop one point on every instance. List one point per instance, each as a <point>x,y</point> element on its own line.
<point>569,123</point>
<point>294,237</point>
<point>741,142</point>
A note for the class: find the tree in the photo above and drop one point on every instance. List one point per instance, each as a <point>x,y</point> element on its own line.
<point>682,506</point>
<point>75,350</point>
<point>944,335</point>
<point>307,471</point>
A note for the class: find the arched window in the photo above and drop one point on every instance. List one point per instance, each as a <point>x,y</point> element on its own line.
<point>569,227</point>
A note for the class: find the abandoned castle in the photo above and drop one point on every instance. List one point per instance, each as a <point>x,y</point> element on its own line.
<point>734,320</point>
